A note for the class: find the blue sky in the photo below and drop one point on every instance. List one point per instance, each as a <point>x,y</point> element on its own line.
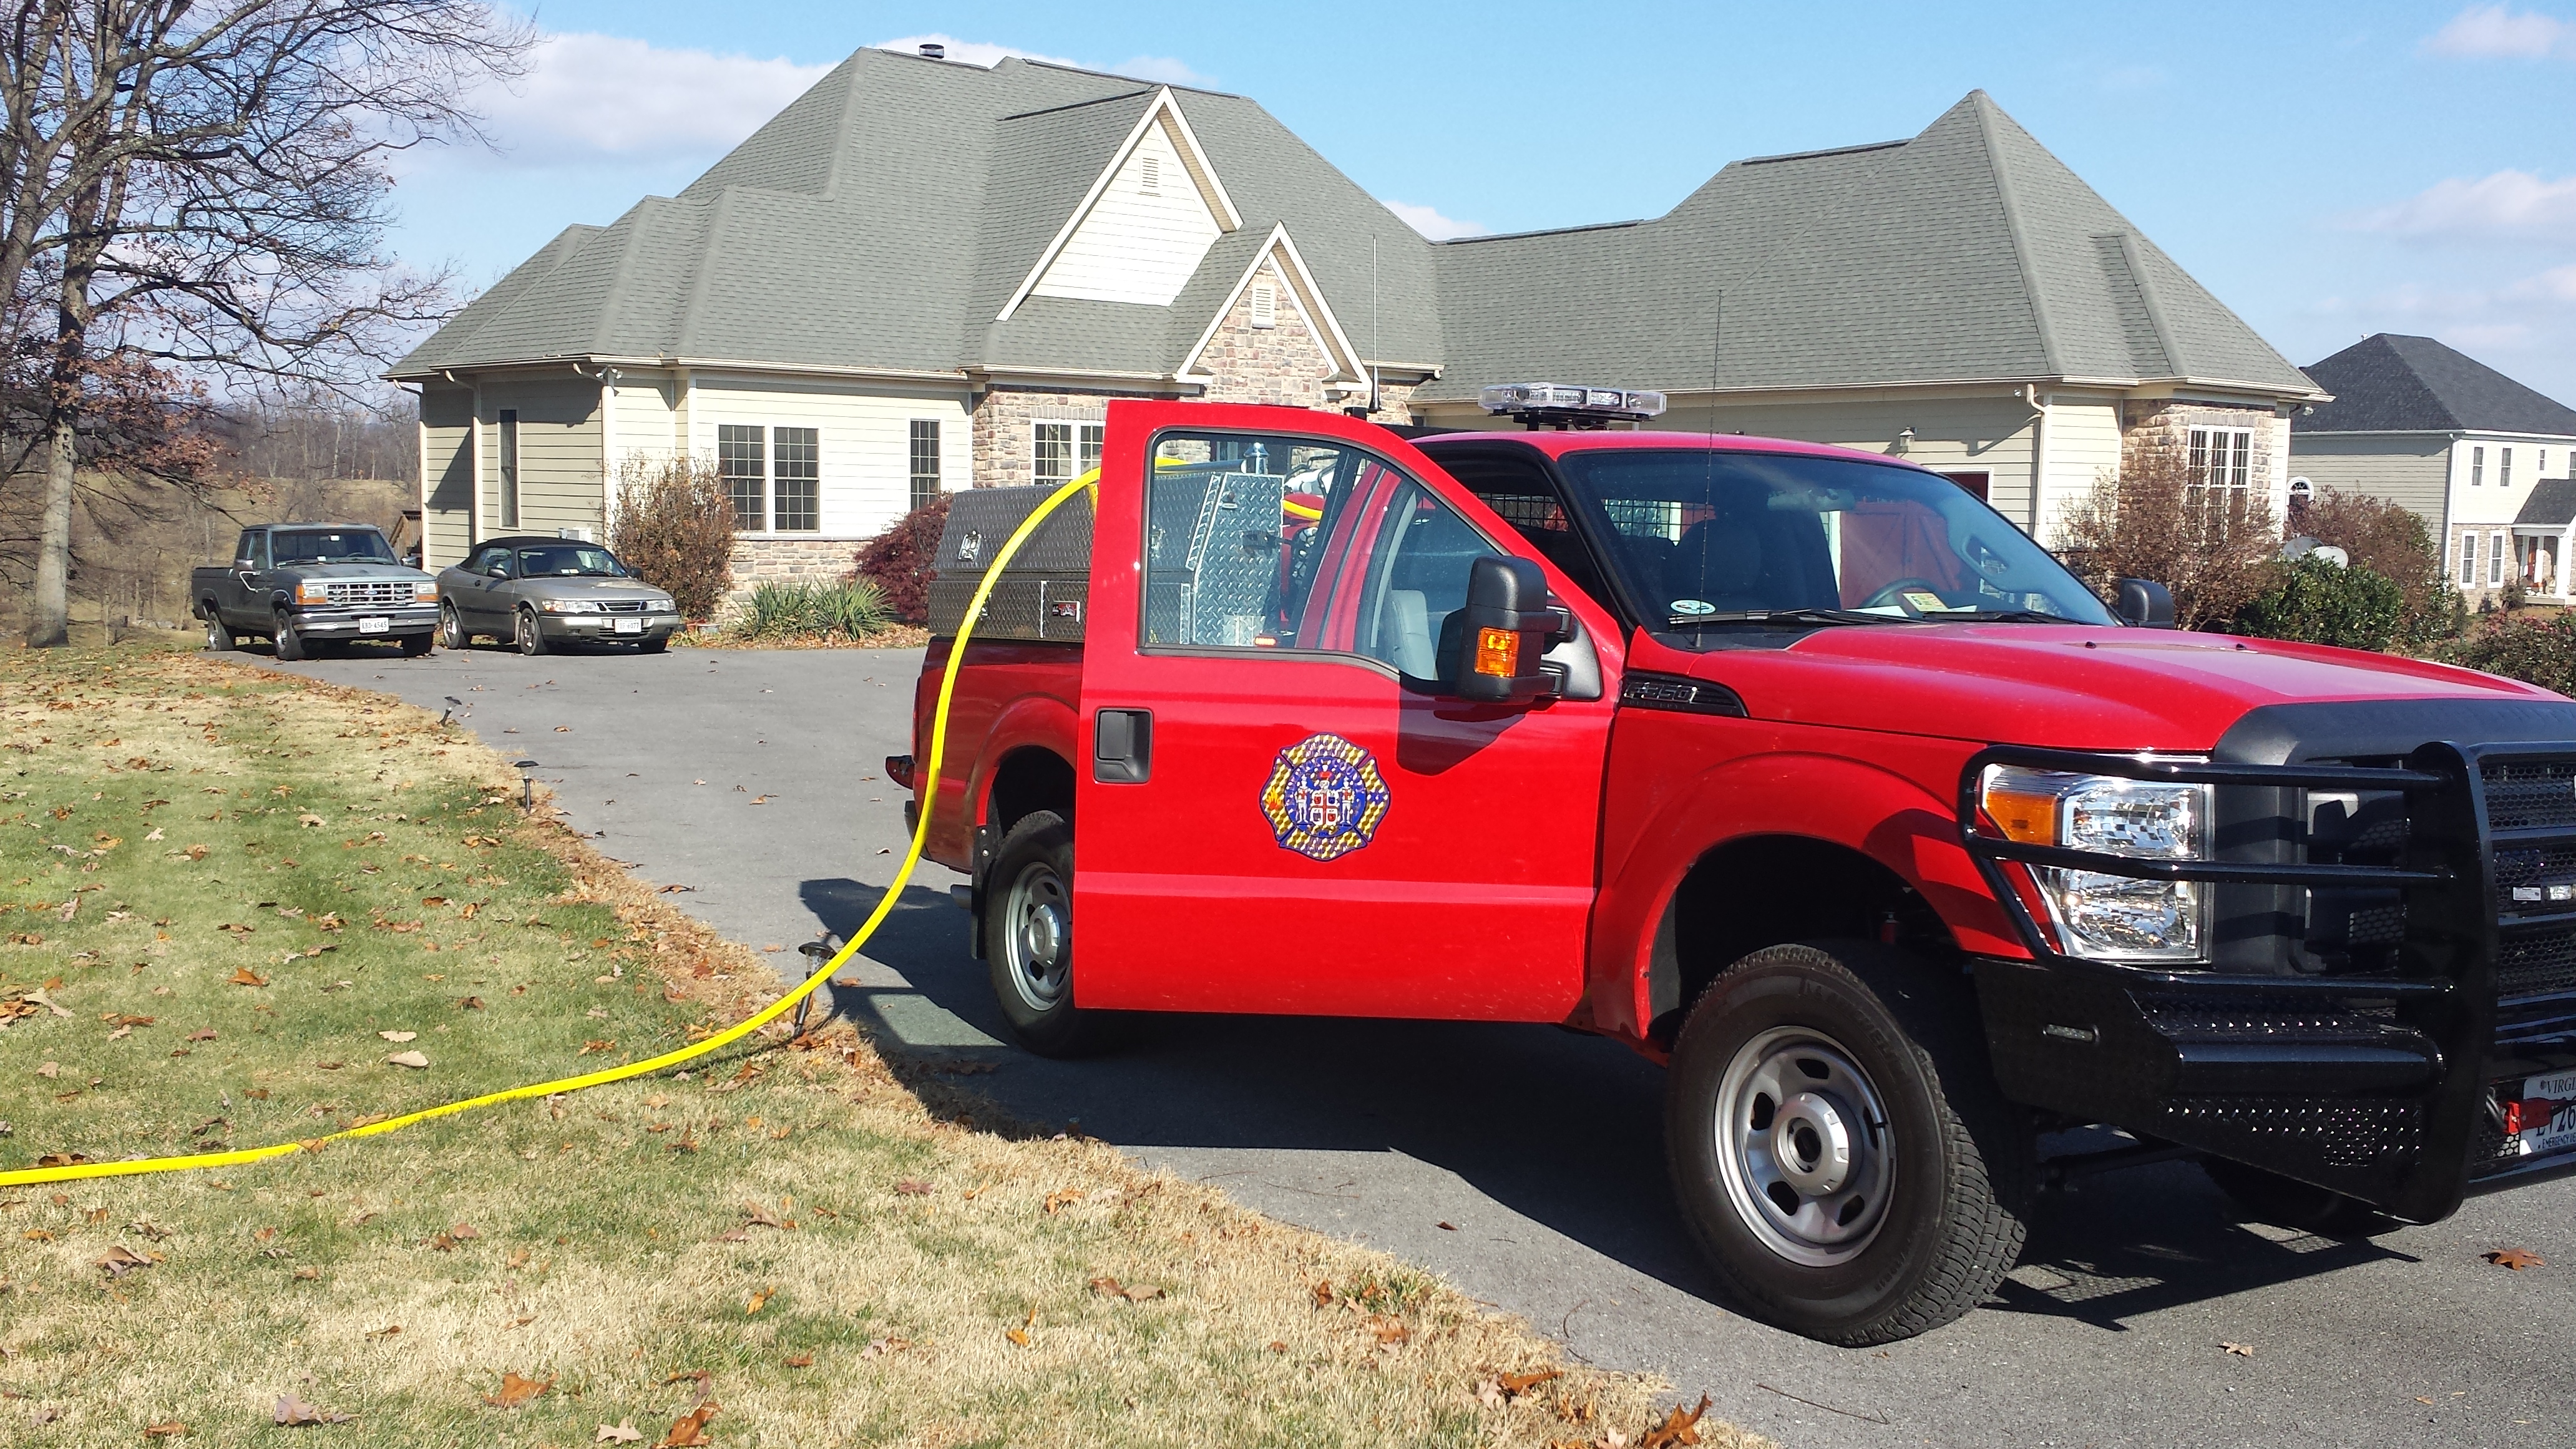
<point>2329,170</point>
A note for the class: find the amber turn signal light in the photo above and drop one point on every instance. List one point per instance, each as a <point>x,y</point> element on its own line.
<point>1498,653</point>
<point>2027,817</point>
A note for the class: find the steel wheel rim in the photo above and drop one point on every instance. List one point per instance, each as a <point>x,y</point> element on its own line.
<point>1805,1147</point>
<point>218,636</point>
<point>527,632</point>
<point>448,626</point>
<point>1037,937</point>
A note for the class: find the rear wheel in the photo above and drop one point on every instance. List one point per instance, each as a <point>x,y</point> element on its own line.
<point>2289,1203</point>
<point>1838,1145</point>
<point>219,635</point>
<point>1028,937</point>
<point>530,638</point>
<point>451,628</point>
<point>290,645</point>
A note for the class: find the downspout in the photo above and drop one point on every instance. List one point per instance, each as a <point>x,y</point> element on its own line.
<point>2038,451</point>
<point>607,379</point>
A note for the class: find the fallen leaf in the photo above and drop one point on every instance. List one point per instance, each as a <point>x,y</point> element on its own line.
<point>2419,1398</point>
<point>2241,1350</point>
<point>1064,1197</point>
<point>1111,1288</point>
<point>388,1331</point>
<point>396,1035</point>
<point>172,1430</point>
<point>690,1429</point>
<point>516,1391</point>
<point>50,1070</point>
<point>1324,1293</point>
<point>1515,1385</point>
<point>244,976</point>
<point>595,1046</point>
<point>879,1348</point>
<point>413,1060</point>
<point>657,1100</point>
<point>206,1035</point>
<point>759,1301</point>
<point>469,1003</point>
<point>912,1187</point>
<point>121,1260</point>
<point>801,1360</point>
<point>294,1411</point>
<point>2516,1259</point>
<point>1390,1330</point>
<point>1681,1426</point>
<point>1446,1227</point>
<point>625,1433</point>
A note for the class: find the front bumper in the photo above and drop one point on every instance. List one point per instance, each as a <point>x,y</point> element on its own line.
<point>603,628</point>
<point>338,623</point>
<point>2376,1074</point>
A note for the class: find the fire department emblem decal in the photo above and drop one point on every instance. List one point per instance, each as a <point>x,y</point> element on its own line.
<point>1325,797</point>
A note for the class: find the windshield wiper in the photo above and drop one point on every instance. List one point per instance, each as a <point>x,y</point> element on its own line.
<point>1783,616</point>
<point>2001,616</point>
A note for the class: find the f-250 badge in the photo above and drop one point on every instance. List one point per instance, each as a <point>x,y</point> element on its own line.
<point>1325,797</point>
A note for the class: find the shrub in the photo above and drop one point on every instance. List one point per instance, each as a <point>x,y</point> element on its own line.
<point>2392,541</point>
<point>673,525</point>
<point>811,609</point>
<point>900,560</point>
<point>2149,523</point>
<point>2318,602</point>
<point>2527,645</point>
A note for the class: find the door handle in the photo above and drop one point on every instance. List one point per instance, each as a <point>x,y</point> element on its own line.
<point>1122,746</point>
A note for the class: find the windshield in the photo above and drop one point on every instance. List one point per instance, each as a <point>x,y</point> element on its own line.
<point>568,561</point>
<point>1700,536</point>
<point>328,545</point>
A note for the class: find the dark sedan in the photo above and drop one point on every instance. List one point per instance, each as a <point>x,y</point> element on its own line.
<point>543,593</point>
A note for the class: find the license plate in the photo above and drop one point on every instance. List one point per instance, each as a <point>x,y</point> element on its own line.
<point>630,626</point>
<point>2548,1114</point>
<point>374,626</point>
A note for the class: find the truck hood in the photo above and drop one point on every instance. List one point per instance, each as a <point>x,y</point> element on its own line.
<point>324,573</point>
<point>2076,687</point>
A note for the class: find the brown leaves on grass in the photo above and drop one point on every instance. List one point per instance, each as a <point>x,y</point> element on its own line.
<point>1501,1389</point>
<point>172,1430</point>
<point>1680,1427</point>
<point>121,1260</point>
<point>1389,1330</point>
<point>413,1060</point>
<point>460,1233</point>
<point>1020,1335</point>
<point>292,1411</point>
<point>2515,1258</point>
<point>912,1187</point>
<point>879,1348</point>
<point>798,1360</point>
<point>244,976</point>
<point>517,1391</point>
<point>759,1301</point>
<point>1108,1287</point>
<point>761,1217</point>
<point>690,1429</point>
<point>469,1003</point>
<point>625,1433</point>
<point>1064,1197</point>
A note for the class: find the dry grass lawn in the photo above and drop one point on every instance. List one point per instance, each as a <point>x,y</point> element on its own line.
<point>221,890</point>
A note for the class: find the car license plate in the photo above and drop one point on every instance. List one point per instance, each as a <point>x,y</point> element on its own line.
<point>2548,1114</point>
<point>374,625</point>
<point>630,626</point>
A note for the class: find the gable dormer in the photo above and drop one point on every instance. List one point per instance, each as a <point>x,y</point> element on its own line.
<point>1148,220</point>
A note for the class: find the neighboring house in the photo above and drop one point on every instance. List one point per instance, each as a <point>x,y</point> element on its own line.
<point>2482,458</point>
<point>926,275</point>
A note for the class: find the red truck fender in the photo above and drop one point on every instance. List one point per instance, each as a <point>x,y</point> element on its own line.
<point>1032,721</point>
<point>1850,807</point>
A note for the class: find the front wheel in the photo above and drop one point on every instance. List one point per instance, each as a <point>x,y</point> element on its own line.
<point>1028,937</point>
<point>290,645</point>
<point>451,628</point>
<point>530,638</point>
<point>415,645</point>
<point>1838,1145</point>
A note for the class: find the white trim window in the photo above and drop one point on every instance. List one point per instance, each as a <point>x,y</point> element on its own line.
<point>2221,466</point>
<point>2468,560</point>
<point>1061,452</point>
<point>2504,468</point>
<point>2495,558</point>
<point>773,475</point>
<point>2477,467</point>
<point>924,460</point>
<point>507,422</point>
<point>742,460</point>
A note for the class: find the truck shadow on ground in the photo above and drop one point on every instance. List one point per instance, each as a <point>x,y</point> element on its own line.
<point>1562,1129</point>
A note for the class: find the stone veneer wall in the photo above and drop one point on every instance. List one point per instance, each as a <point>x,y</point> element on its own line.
<point>759,558</point>
<point>1283,366</point>
<point>1002,438</point>
<point>2158,430</point>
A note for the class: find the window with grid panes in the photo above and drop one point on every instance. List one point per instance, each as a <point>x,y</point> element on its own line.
<point>925,460</point>
<point>2221,463</point>
<point>2468,558</point>
<point>795,479</point>
<point>739,450</point>
<point>2495,558</point>
<point>2477,467</point>
<point>2504,468</point>
<point>1062,451</point>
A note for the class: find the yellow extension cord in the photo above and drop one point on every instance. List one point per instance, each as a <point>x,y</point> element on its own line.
<point>894,892</point>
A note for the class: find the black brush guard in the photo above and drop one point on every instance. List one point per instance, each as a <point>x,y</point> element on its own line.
<point>2378,1084</point>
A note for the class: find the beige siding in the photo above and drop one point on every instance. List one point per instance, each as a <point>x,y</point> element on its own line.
<point>1134,245</point>
<point>446,474</point>
<point>559,453</point>
<point>644,407</point>
<point>2083,452</point>
<point>864,431</point>
<point>2413,472</point>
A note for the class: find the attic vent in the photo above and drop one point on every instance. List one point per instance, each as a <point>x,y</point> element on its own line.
<point>934,52</point>
<point>1265,305</point>
<point>1149,175</point>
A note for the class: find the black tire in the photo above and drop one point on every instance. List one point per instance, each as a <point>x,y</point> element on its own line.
<point>2286,1202</point>
<point>451,628</point>
<point>1922,1208</point>
<point>1028,938</point>
<point>290,645</point>
<point>653,646</point>
<point>416,645</point>
<point>219,635</point>
<point>527,634</point>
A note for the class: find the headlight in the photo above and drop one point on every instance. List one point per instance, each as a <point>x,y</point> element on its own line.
<point>312,593</point>
<point>660,606</point>
<point>571,606</point>
<point>425,592</point>
<point>2101,915</point>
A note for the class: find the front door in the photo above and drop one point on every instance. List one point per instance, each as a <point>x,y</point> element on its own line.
<point>1315,829</point>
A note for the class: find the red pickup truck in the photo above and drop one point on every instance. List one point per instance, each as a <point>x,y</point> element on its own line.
<point>1796,768</point>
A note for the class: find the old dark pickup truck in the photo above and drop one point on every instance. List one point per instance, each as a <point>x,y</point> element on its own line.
<point>310,586</point>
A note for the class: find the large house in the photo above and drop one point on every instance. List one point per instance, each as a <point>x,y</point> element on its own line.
<point>2482,458</point>
<point>924,275</point>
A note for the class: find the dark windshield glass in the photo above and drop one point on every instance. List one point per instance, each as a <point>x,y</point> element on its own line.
<point>1697,533</point>
<point>567,561</point>
<point>318,545</point>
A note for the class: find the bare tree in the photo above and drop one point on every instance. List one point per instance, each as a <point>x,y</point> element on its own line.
<point>2212,547</point>
<point>205,188</point>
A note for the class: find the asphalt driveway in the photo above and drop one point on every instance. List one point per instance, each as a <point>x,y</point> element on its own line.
<point>1523,1162</point>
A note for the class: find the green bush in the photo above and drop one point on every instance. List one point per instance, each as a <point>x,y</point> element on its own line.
<point>2526,646</point>
<point>2316,602</point>
<point>811,609</point>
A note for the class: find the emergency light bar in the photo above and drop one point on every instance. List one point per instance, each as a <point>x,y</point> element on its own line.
<point>1559,405</point>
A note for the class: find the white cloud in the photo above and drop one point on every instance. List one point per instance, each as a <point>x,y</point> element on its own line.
<point>2508,203</point>
<point>1162,68</point>
<point>1430,222</point>
<point>2484,31</point>
<point>592,96</point>
<point>973,52</point>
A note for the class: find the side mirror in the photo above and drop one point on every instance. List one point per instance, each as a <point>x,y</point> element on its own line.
<point>2144,604</point>
<point>1491,650</point>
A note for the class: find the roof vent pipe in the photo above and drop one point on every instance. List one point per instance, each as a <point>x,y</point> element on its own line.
<point>934,51</point>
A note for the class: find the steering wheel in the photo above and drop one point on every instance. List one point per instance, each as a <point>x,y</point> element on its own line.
<point>1893,594</point>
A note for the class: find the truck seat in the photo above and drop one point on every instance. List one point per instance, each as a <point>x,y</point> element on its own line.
<point>1720,561</point>
<point>1405,634</point>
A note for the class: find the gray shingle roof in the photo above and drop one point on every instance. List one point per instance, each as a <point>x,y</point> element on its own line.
<point>1966,252</point>
<point>2552,501</point>
<point>882,219</point>
<point>2392,383</point>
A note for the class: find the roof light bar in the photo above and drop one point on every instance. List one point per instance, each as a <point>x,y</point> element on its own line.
<point>1561,405</point>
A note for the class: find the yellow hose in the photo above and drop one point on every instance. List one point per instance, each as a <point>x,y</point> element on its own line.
<point>912,857</point>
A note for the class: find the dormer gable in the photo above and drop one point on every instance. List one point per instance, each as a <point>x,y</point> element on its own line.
<point>1148,220</point>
